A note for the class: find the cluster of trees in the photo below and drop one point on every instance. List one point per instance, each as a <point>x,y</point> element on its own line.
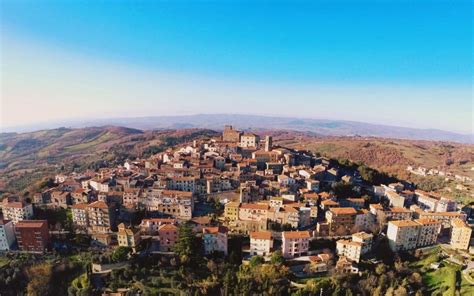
<point>120,254</point>
<point>27,274</point>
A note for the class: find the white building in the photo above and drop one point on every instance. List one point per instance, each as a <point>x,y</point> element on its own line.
<point>406,235</point>
<point>261,243</point>
<point>403,235</point>
<point>295,243</point>
<point>460,234</point>
<point>17,211</point>
<point>215,239</point>
<point>249,140</point>
<point>360,244</point>
<point>7,235</point>
<point>429,231</point>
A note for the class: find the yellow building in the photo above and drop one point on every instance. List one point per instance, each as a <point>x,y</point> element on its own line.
<point>460,234</point>
<point>231,211</point>
<point>128,237</point>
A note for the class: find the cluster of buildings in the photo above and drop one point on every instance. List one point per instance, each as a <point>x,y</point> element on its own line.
<point>421,171</point>
<point>269,193</point>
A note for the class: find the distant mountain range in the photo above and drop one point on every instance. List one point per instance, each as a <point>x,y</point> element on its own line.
<point>322,127</point>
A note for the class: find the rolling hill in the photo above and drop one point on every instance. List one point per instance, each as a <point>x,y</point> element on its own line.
<point>247,122</point>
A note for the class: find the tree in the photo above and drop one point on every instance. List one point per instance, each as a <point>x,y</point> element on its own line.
<point>256,260</point>
<point>343,190</point>
<point>120,254</point>
<point>277,258</point>
<point>188,246</point>
<point>39,279</point>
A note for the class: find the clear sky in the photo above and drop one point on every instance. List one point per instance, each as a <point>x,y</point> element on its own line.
<point>407,63</point>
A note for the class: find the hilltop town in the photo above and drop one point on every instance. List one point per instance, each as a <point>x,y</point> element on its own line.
<point>245,204</point>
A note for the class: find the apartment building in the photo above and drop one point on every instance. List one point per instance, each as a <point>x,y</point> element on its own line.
<point>100,217</point>
<point>350,249</point>
<point>79,217</point>
<point>295,243</point>
<point>16,211</point>
<point>168,234</point>
<point>179,204</point>
<point>403,235</point>
<point>395,199</point>
<point>446,205</point>
<point>353,249</point>
<point>429,231</point>
<point>187,184</point>
<point>364,220</point>
<point>7,235</point>
<point>32,235</point>
<point>406,235</point>
<point>215,239</point>
<point>460,234</point>
<point>151,226</point>
<point>341,220</point>
<point>261,243</point>
<point>254,212</point>
<point>444,217</point>
<point>231,211</point>
<point>365,239</point>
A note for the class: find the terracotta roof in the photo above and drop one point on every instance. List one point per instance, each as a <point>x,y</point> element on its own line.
<point>459,223</point>
<point>232,204</point>
<point>349,242</point>
<point>201,220</point>
<point>168,227</point>
<point>452,214</point>
<point>266,235</point>
<point>404,223</point>
<point>427,221</point>
<point>254,206</point>
<point>296,234</point>
<point>16,204</point>
<point>353,199</point>
<point>343,211</point>
<point>399,210</point>
<point>214,230</point>
<point>98,204</point>
<point>329,202</point>
<point>80,206</point>
<point>177,193</point>
<point>158,220</point>
<point>31,224</point>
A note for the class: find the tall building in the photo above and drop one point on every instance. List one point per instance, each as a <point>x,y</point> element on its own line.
<point>341,221</point>
<point>230,134</point>
<point>406,235</point>
<point>32,235</point>
<point>17,211</point>
<point>295,243</point>
<point>460,234</point>
<point>261,243</point>
<point>7,235</point>
<point>429,231</point>
<point>268,143</point>
<point>403,235</point>
<point>168,234</point>
<point>100,217</point>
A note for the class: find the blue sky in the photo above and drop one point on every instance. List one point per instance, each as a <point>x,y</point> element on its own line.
<point>403,63</point>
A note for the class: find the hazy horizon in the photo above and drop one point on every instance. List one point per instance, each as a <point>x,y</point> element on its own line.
<point>399,64</point>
